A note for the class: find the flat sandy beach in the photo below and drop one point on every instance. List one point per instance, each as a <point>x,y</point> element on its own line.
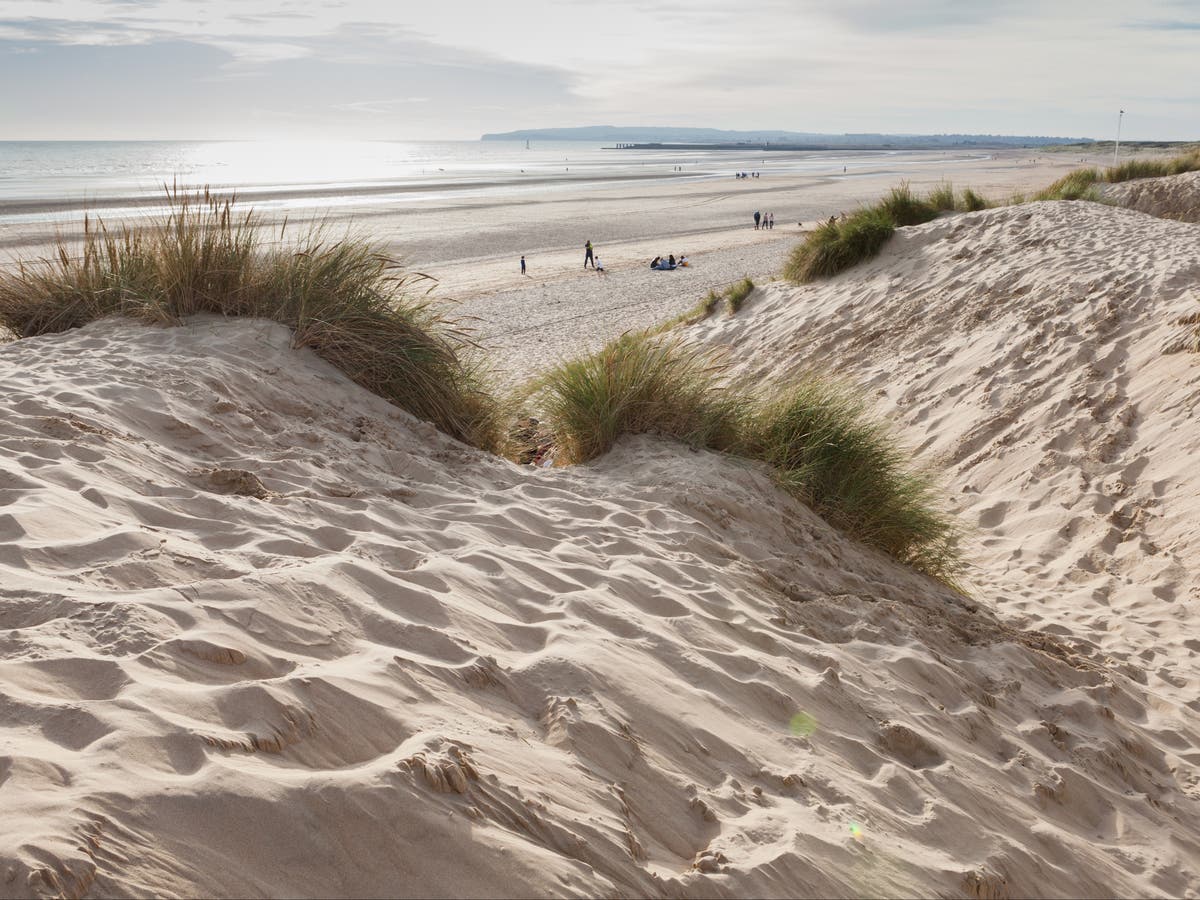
<point>472,244</point>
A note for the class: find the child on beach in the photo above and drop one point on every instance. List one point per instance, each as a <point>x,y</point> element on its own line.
<point>599,266</point>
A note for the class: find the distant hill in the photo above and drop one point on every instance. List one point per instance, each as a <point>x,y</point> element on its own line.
<point>644,134</point>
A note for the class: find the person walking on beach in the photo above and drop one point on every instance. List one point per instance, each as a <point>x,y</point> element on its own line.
<point>522,265</point>
<point>771,221</point>
<point>757,217</point>
<point>588,255</point>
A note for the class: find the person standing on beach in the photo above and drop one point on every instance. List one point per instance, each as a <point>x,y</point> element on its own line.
<point>522,265</point>
<point>757,217</point>
<point>588,255</point>
<point>771,221</point>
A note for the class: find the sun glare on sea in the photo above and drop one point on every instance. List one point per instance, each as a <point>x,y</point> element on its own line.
<point>292,162</point>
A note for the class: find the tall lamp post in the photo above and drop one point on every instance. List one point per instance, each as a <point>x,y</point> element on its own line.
<point>1117,145</point>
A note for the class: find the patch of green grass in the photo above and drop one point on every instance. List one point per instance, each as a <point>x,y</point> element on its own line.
<point>828,451</point>
<point>1153,168</point>
<point>969,201</point>
<point>903,208</point>
<point>736,294</point>
<point>1081,183</point>
<point>353,305</point>
<point>941,198</point>
<point>637,384</point>
<point>1077,185</point>
<point>837,245</point>
<point>818,438</point>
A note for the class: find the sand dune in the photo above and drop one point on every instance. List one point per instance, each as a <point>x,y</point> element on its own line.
<point>1035,354</point>
<point>263,634</point>
<point>1173,197</point>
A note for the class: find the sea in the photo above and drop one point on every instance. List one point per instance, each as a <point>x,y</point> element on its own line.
<point>44,181</point>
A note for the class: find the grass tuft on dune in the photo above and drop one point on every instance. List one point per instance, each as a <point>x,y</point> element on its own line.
<point>1081,184</point>
<point>840,244</point>
<point>830,452</point>
<point>353,305</point>
<point>635,385</point>
<point>818,438</point>
<point>736,294</point>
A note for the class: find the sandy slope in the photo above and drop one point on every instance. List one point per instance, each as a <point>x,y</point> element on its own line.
<point>1031,353</point>
<point>1173,197</point>
<point>263,634</point>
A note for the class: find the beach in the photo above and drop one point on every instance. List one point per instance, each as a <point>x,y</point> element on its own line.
<point>470,241</point>
<point>265,633</point>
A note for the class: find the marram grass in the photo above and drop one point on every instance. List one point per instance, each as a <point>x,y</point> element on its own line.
<point>636,384</point>
<point>818,438</point>
<point>1081,184</point>
<point>736,294</point>
<point>353,305</point>
<point>835,246</point>
<point>830,452</point>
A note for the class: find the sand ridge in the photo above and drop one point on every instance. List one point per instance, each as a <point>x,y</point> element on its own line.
<point>264,634</point>
<point>1031,354</point>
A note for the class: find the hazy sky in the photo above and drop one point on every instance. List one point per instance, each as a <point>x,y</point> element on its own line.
<point>452,69</point>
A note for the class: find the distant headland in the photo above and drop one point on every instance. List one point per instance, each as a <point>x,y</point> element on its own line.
<point>651,137</point>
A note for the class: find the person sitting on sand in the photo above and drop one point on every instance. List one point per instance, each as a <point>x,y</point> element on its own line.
<point>599,265</point>
<point>683,260</point>
<point>671,260</point>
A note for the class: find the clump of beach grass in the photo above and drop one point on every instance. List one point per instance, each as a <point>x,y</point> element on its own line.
<point>1077,185</point>
<point>736,294</point>
<point>835,246</point>
<point>817,437</point>
<point>637,384</point>
<point>905,208</point>
<point>828,450</point>
<point>353,305</point>
<point>969,201</point>
<point>841,243</point>
<point>942,199</point>
<point>1081,183</point>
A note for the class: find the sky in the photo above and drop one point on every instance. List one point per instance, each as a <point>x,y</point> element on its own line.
<point>452,69</point>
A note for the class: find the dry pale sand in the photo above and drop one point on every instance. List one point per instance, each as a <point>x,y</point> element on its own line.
<point>263,634</point>
<point>1173,197</point>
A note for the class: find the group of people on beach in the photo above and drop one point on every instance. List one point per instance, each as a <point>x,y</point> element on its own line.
<point>669,263</point>
<point>745,174</point>
<point>591,256</point>
<point>763,221</point>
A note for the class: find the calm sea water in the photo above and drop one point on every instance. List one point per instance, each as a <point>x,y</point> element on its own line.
<point>42,181</point>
